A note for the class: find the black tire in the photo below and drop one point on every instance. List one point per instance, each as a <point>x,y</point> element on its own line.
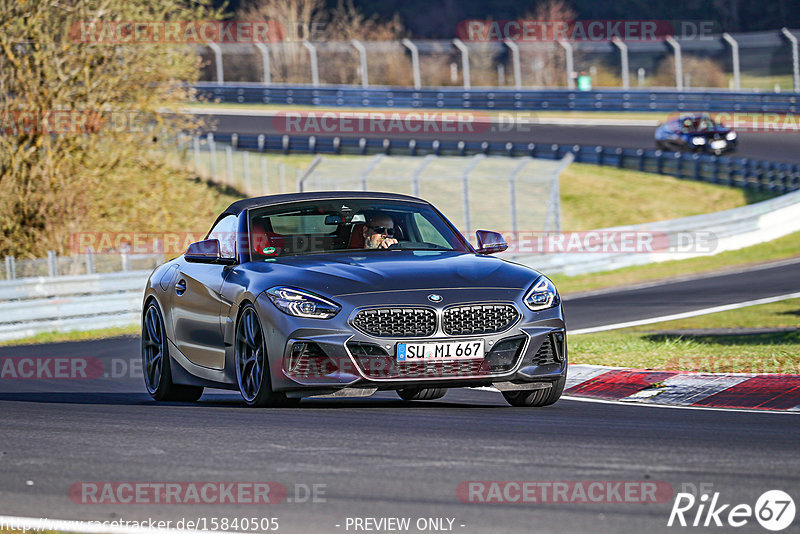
<point>537,398</point>
<point>252,363</point>
<point>413,394</point>
<point>156,361</point>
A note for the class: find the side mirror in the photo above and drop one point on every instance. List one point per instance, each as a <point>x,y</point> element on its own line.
<point>206,251</point>
<point>490,242</point>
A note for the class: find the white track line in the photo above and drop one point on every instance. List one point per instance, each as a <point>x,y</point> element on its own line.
<point>673,406</point>
<point>684,315</point>
<point>654,405</point>
<point>34,524</point>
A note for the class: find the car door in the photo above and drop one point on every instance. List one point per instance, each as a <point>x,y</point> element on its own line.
<point>197,302</point>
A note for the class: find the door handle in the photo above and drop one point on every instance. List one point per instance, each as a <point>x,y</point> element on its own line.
<point>180,287</point>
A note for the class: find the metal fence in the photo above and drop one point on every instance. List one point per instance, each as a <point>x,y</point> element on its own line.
<point>54,265</point>
<point>503,99</point>
<point>757,60</point>
<point>458,186</point>
<point>744,173</point>
<point>476,192</point>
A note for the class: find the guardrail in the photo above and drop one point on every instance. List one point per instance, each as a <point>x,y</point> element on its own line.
<point>29,306</point>
<point>683,238</point>
<point>502,99</point>
<point>745,173</point>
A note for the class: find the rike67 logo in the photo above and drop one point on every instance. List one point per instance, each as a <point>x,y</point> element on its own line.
<point>774,510</point>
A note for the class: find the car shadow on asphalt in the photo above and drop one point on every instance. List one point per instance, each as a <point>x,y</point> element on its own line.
<point>214,400</point>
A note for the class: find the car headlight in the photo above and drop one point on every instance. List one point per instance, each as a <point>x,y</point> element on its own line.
<point>730,136</point>
<point>298,303</point>
<point>698,141</point>
<point>542,295</point>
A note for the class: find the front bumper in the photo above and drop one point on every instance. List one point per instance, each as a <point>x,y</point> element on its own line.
<point>323,356</point>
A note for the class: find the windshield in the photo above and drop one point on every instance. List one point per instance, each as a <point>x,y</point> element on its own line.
<point>322,226</point>
<point>697,124</point>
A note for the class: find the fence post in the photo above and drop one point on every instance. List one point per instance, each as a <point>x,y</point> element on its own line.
<point>312,54</point>
<point>362,53</point>
<point>218,60</point>
<point>414,61</point>
<point>264,187</point>
<point>90,260</point>
<point>554,207</point>
<point>676,47</point>
<point>11,268</point>
<point>212,152</point>
<point>737,84</point>
<point>417,172</point>
<point>465,190</point>
<point>512,195</point>
<point>306,173</point>
<point>196,151</point>
<point>265,62</point>
<point>52,263</point>
<point>715,169</point>
<point>458,43</point>
<point>623,55</point>
<point>124,259</point>
<point>371,167</point>
<point>229,160</point>
<point>246,165</point>
<point>567,46</point>
<point>795,60</point>
<point>514,47</point>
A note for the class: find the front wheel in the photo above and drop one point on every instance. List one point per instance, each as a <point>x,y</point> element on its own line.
<point>538,397</point>
<point>156,361</point>
<point>252,364</point>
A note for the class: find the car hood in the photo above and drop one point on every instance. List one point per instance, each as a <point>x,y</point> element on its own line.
<point>374,271</point>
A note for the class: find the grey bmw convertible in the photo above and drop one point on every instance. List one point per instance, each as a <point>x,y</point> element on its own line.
<point>345,294</point>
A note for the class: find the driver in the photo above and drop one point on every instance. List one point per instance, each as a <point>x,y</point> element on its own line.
<point>379,231</point>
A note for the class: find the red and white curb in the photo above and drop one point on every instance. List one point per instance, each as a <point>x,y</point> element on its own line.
<point>677,388</point>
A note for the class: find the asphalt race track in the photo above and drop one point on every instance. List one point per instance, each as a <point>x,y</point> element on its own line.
<point>377,457</point>
<point>773,146</point>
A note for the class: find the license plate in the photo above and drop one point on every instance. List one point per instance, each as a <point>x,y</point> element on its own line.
<point>455,350</point>
<point>719,144</point>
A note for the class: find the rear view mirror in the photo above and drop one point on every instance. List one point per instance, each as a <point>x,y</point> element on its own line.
<point>333,220</point>
<point>490,242</point>
<point>206,251</point>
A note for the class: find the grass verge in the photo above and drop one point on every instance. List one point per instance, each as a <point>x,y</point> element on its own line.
<point>756,339</point>
<point>778,249</point>
<point>58,337</point>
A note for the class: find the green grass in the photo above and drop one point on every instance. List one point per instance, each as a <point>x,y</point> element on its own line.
<point>598,197</point>
<point>57,337</point>
<point>767,83</point>
<point>778,249</point>
<point>684,345</point>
